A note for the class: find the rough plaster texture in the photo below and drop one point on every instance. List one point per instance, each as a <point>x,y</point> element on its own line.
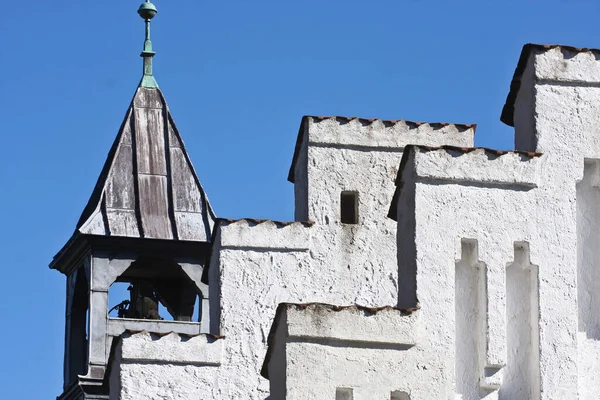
<point>171,367</point>
<point>510,243</point>
<point>444,261</point>
<point>257,266</point>
<point>362,156</point>
<point>463,265</point>
<point>371,353</point>
<point>564,95</point>
<point>349,324</point>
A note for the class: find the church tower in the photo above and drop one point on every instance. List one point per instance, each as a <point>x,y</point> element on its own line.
<point>148,225</point>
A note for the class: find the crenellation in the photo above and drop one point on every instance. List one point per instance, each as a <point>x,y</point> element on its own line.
<point>265,234</point>
<point>377,361</point>
<point>575,66</point>
<point>172,348</point>
<point>363,133</point>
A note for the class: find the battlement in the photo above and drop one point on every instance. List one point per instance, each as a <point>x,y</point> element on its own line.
<point>171,348</point>
<point>547,63</point>
<point>466,166</point>
<point>367,133</point>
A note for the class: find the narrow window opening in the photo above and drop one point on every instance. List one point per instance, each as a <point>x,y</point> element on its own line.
<point>470,305</point>
<point>521,374</point>
<point>399,395</point>
<point>349,207</point>
<point>197,309</point>
<point>78,327</point>
<point>588,253</point>
<point>344,394</point>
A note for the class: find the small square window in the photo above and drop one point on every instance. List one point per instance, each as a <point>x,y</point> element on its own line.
<point>349,207</point>
<point>399,395</point>
<point>344,394</point>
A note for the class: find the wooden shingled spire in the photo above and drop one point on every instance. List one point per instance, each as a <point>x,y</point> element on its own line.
<point>148,187</point>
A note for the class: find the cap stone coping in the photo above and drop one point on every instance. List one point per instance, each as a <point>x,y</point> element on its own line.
<point>171,348</point>
<point>264,235</point>
<point>552,64</point>
<point>378,133</point>
<point>476,166</point>
<point>351,324</point>
<point>116,326</point>
<point>562,64</point>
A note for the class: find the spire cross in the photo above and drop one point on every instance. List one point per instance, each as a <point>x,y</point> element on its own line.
<point>148,11</point>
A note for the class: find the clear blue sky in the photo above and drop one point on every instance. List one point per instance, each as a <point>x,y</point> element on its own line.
<point>238,76</point>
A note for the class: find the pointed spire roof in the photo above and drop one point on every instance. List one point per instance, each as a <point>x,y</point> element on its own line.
<point>148,187</point>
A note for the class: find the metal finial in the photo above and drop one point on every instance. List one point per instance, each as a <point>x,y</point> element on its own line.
<point>148,11</point>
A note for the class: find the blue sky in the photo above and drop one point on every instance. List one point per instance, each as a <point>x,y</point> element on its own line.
<point>238,76</point>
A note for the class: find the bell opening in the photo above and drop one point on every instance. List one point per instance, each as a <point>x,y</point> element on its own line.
<point>155,289</point>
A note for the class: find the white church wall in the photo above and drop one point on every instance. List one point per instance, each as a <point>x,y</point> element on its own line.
<point>561,85</point>
<point>363,254</point>
<point>588,281</point>
<point>258,271</point>
<point>145,366</point>
<point>466,233</point>
<point>276,361</point>
<point>300,171</point>
<point>254,273</point>
<point>360,353</point>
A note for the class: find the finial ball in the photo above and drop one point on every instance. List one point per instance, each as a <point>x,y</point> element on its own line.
<point>147,10</point>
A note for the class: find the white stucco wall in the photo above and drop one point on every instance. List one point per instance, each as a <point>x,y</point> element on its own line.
<point>362,156</point>
<point>465,233</point>
<point>371,352</point>
<point>253,276</point>
<point>172,367</point>
<point>254,280</point>
<point>257,265</point>
<point>510,242</point>
<point>562,90</point>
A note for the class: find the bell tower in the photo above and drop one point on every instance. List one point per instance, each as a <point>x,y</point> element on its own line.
<point>148,225</point>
